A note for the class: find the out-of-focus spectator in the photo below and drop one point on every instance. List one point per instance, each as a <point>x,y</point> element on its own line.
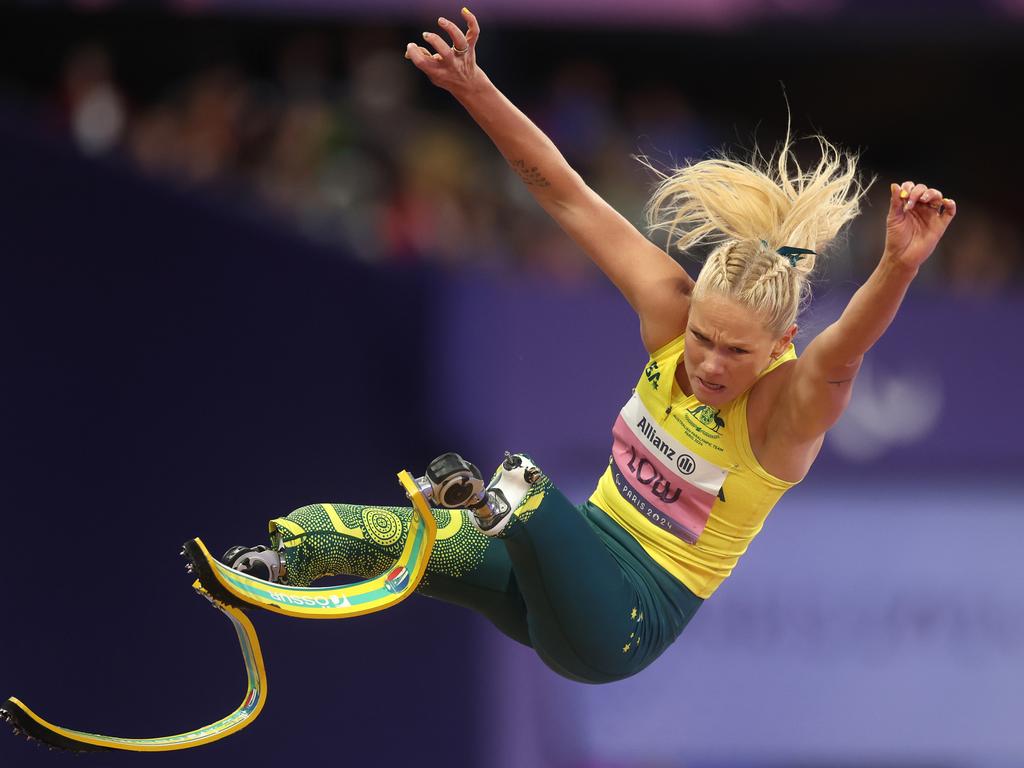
<point>979,258</point>
<point>333,139</point>
<point>91,102</point>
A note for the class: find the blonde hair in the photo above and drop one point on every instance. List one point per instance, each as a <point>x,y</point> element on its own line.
<point>750,210</point>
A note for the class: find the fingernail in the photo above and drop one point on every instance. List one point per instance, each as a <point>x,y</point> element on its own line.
<point>442,20</point>
<point>465,9</point>
<point>426,35</point>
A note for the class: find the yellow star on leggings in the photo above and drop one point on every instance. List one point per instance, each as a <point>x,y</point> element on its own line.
<point>633,614</point>
<point>626,647</point>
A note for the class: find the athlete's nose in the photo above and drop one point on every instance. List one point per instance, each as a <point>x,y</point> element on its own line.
<point>711,367</point>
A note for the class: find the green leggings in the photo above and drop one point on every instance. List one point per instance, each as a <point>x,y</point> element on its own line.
<point>564,580</point>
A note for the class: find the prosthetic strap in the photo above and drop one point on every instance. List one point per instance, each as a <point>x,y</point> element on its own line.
<point>229,591</point>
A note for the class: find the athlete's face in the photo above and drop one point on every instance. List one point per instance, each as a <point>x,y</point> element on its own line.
<point>727,347</point>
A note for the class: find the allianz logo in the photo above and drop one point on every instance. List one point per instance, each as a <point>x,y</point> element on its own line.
<point>684,462</point>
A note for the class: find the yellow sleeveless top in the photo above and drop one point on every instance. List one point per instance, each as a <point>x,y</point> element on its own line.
<point>682,478</point>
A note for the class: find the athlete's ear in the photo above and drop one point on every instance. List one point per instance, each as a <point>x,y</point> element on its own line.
<point>785,340</point>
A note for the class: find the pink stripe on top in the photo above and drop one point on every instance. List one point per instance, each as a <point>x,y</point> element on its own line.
<point>662,488</point>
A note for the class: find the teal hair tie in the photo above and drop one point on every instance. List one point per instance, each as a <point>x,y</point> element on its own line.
<point>793,254</point>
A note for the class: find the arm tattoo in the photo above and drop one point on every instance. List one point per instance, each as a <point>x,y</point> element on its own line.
<point>531,176</point>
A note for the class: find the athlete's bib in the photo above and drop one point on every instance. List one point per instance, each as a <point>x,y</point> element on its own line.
<point>671,486</point>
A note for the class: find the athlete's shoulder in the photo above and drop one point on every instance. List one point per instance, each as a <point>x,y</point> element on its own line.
<point>671,347</point>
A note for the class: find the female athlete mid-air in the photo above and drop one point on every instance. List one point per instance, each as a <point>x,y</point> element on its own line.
<point>725,417</point>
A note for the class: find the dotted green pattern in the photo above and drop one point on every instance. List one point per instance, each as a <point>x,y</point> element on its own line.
<point>370,541</point>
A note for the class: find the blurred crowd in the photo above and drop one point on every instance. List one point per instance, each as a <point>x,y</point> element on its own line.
<point>370,160</point>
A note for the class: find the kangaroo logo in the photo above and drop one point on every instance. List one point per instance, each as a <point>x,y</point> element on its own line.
<point>653,374</point>
<point>708,416</point>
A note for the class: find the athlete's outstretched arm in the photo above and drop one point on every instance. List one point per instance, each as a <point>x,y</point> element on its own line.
<point>654,284</point>
<point>819,389</point>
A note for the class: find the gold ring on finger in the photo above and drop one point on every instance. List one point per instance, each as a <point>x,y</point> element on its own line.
<point>460,51</point>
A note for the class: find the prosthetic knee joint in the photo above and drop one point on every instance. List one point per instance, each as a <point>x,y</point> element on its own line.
<point>452,482</point>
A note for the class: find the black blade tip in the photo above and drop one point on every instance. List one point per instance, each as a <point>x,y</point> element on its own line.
<point>24,725</point>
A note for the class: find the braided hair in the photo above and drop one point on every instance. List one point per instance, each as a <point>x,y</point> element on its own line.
<point>769,219</point>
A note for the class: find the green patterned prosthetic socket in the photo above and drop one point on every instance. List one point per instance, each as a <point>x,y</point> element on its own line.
<point>465,567</point>
<point>322,540</point>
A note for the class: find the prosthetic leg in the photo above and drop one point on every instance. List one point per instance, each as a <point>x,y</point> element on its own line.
<point>229,590</point>
<point>256,577</point>
<point>450,482</point>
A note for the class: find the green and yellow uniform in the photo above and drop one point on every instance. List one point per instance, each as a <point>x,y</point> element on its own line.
<point>599,590</point>
<point>683,479</point>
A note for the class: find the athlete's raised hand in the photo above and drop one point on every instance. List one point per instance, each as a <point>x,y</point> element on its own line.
<point>450,66</point>
<point>918,217</point>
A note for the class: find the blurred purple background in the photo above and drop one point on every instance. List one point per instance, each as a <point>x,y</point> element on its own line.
<point>724,14</point>
<point>252,260</point>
